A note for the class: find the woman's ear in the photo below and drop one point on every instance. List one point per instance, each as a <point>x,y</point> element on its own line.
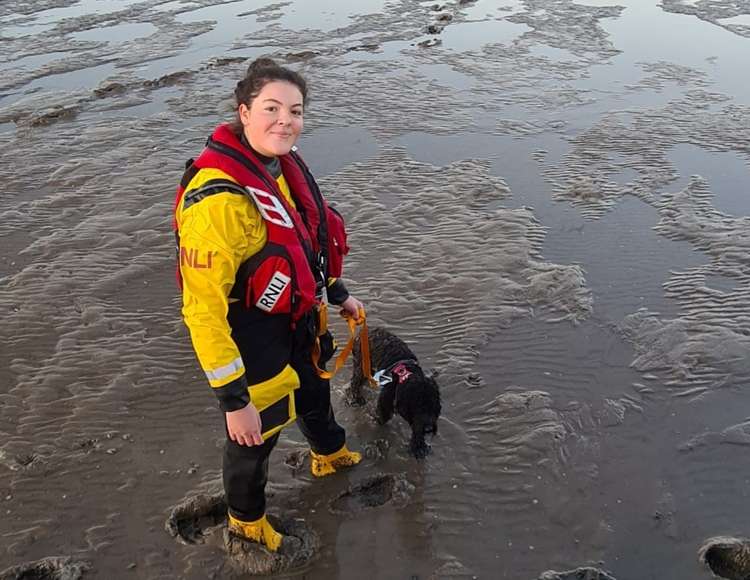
<point>244,113</point>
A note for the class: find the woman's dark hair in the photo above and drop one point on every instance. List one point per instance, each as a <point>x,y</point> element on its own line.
<point>261,72</point>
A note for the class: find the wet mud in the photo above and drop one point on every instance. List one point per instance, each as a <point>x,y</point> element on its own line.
<point>47,569</point>
<point>585,573</point>
<point>727,557</point>
<point>375,491</point>
<point>299,546</point>
<point>189,520</point>
<point>521,188</point>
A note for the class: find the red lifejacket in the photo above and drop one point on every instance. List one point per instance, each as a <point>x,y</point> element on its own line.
<point>300,238</point>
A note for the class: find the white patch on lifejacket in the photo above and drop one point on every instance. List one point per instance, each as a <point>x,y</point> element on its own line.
<point>273,291</point>
<point>270,207</point>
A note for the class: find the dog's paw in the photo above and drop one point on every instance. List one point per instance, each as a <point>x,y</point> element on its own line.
<point>420,450</point>
<point>381,419</point>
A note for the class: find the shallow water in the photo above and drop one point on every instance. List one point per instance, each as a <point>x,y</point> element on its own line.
<point>547,200</point>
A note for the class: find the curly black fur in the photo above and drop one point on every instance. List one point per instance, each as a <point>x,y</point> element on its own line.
<point>416,400</point>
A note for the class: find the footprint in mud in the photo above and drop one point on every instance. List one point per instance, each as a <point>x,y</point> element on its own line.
<point>375,491</point>
<point>300,545</point>
<point>727,557</point>
<point>296,458</point>
<point>47,569</point>
<point>189,521</point>
<point>377,449</point>
<point>585,573</point>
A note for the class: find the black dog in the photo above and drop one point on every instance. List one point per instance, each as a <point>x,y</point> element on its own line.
<point>404,387</point>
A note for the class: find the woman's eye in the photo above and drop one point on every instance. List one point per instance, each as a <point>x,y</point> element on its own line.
<point>271,109</point>
<point>297,113</point>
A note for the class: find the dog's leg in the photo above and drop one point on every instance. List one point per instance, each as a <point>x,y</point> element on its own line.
<point>386,402</point>
<point>418,446</point>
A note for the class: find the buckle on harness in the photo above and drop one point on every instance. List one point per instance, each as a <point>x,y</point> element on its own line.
<point>382,378</point>
<point>270,207</point>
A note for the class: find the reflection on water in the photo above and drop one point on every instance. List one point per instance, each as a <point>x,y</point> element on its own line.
<point>727,174</point>
<point>474,35</point>
<point>327,15</point>
<point>680,39</point>
<point>34,60</point>
<point>117,33</point>
<point>85,78</point>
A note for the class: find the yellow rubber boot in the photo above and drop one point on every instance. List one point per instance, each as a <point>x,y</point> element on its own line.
<point>260,531</point>
<point>322,465</point>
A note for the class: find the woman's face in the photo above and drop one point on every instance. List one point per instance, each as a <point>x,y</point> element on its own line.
<point>273,121</point>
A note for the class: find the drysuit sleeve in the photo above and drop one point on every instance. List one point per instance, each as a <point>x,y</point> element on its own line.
<point>215,235</point>
<point>336,291</point>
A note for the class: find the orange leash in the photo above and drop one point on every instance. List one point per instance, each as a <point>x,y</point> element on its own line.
<point>364,343</point>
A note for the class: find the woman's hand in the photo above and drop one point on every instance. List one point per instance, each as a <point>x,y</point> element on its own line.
<point>352,306</point>
<point>244,426</point>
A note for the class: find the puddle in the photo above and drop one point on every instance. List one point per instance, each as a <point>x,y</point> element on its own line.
<point>80,8</point>
<point>33,61</point>
<point>727,174</point>
<point>18,30</point>
<point>231,25</point>
<point>729,51</point>
<point>118,33</point>
<point>85,78</point>
<point>327,15</point>
<point>177,5</point>
<point>466,36</point>
<point>353,144</point>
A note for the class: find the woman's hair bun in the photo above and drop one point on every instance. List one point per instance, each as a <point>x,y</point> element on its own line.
<point>259,64</point>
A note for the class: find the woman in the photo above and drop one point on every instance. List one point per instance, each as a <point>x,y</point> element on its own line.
<point>257,247</point>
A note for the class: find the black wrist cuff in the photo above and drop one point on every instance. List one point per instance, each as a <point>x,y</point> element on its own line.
<point>233,396</point>
<point>337,292</point>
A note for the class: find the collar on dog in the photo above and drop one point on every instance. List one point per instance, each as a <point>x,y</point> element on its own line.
<point>399,370</point>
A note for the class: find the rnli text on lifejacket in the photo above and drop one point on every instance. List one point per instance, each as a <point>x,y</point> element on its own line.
<point>273,291</point>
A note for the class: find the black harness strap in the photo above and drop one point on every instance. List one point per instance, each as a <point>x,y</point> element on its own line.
<point>211,187</point>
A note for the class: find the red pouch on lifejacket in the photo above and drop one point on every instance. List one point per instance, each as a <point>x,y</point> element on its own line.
<point>271,287</point>
<point>337,246</point>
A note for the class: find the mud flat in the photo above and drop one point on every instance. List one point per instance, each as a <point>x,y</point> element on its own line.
<point>546,199</point>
